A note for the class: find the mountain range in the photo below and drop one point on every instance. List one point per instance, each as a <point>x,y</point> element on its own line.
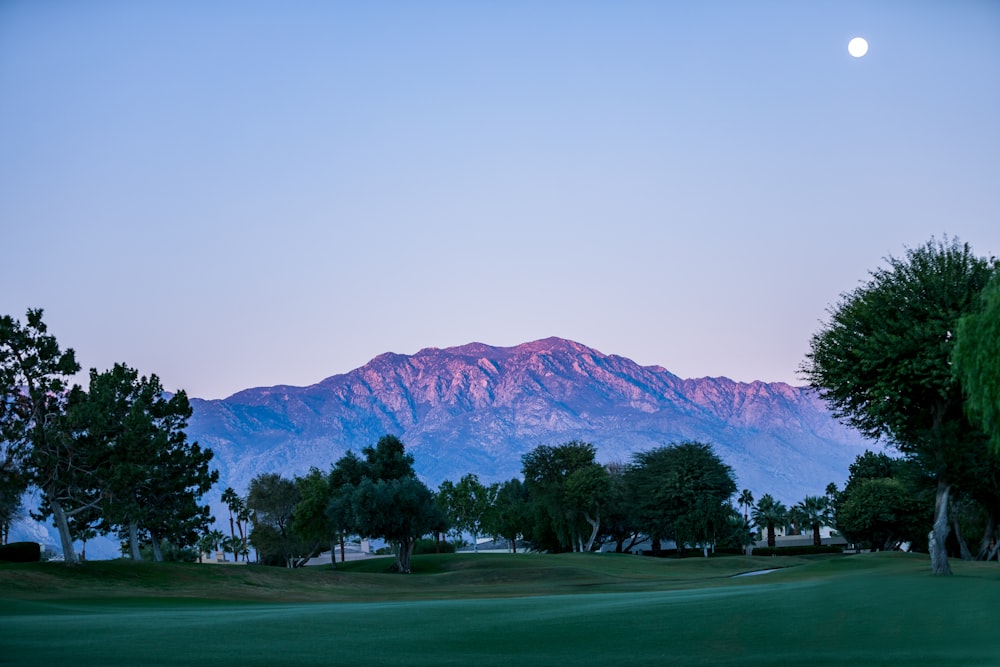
<point>479,409</point>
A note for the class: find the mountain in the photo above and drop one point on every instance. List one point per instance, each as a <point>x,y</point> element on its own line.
<point>478,408</point>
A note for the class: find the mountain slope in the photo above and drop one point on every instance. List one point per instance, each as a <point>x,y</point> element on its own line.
<point>478,408</point>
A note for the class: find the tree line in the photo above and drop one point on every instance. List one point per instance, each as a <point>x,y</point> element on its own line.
<point>111,459</point>
<point>565,501</point>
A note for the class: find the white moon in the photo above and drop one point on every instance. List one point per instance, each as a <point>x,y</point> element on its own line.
<point>857,47</point>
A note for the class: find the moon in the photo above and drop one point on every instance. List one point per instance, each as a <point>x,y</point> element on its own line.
<point>857,47</point>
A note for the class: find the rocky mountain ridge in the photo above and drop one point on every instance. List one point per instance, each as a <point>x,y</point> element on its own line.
<point>478,408</point>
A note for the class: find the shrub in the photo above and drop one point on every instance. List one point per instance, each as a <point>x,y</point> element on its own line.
<point>21,552</point>
<point>432,547</point>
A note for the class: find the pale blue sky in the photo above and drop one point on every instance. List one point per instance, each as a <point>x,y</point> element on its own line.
<point>236,194</point>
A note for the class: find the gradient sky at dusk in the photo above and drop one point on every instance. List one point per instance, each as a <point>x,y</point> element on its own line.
<point>237,194</point>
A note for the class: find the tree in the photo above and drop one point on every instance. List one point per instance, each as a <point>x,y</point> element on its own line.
<point>620,523</point>
<point>558,512</point>
<point>399,511</point>
<point>587,492</point>
<point>38,448</point>
<point>768,514</point>
<point>271,500</point>
<point>380,497</point>
<point>746,502</point>
<point>309,520</point>
<point>346,474</point>
<point>508,516</point>
<point>976,360</point>
<point>882,363</point>
<point>682,491</point>
<point>882,504</point>
<point>234,503</point>
<point>815,512</point>
<point>467,505</point>
<point>11,490</point>
<point>152,477</point>
<point>209,542</point>
<point>239,515</point>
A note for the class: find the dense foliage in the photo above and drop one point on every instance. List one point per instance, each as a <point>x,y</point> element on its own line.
<point>883,364</point>
<point>112,459</point>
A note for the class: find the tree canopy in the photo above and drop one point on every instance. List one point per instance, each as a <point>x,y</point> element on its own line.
<point>976,360</point>
<point>882,363</point>
<point>682,492</point>
<point>380,497</point>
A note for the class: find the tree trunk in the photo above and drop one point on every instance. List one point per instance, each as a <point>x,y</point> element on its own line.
<point>962,546</point>
<point>595,525</point>
<point>816,538</point>
<point>62,524</point>
<point>342,556</point>
<point>157,553</point>
<point>770,534</point>
<point>988,543</point>
<point>936,538</point>
<point>404,551</point>
<point>133,540</point>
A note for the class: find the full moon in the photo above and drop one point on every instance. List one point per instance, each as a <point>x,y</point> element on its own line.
<point>857,47</point>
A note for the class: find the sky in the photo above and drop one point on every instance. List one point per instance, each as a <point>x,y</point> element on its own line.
<point>243,194</point>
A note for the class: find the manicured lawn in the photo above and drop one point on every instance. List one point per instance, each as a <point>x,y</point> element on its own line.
<point>509,610</point>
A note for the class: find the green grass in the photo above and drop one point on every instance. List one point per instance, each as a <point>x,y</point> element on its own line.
<point>880,609</point>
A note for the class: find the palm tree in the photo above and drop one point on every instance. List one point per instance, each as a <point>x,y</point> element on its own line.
<point>232,501</point>
<point>815,512</point>
<point>768,513</point>
<point>746,501</point>
<point>209,543</point>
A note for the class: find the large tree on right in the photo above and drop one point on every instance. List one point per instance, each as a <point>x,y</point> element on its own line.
<point>881,363</point>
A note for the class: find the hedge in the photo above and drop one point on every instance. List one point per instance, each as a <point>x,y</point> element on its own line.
<point>21,552</point>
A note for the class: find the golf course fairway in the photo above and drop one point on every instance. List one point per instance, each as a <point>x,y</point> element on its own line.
<point>588,609</point>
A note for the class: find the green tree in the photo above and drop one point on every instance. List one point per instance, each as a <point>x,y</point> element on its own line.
<point>509,514</point>
<point>37,444</point>
<point>234,503</point>
<point>883,503</point>
<point>467,505</point>
<point>380,497</point>
<point>309,520</point>
<point>152,477</point>
<point>558,517</point>
<point>682,491</point>
<point>11,490</point>
<point>346,474</point>
<point>209,542</point>
<point>587,494</point>
<point>769,513</point>
<point>271,500</point>
<point>399,511</point>
<point>620,524</point>
<point>815,512</point>
<point>746,502</point>
<point>976,360</point>
<point>882,363</point>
